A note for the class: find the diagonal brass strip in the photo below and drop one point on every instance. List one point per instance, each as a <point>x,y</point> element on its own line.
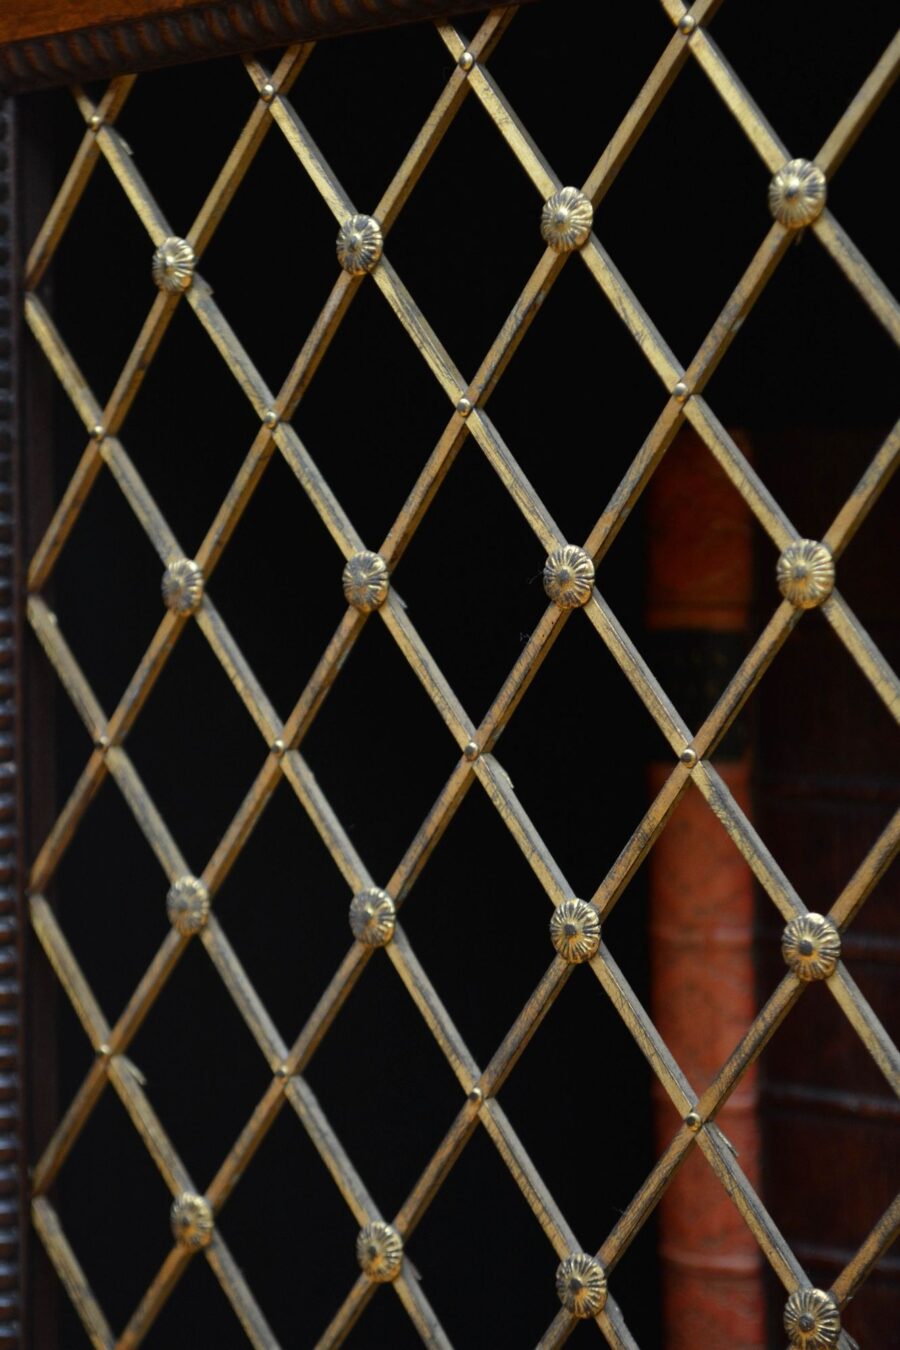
<point>146,675</point>
<point>331,1151</point>
<point>329,1005</point>
<point>748,842</point>
<point>751,1209</point>
<point>610,890</point>
<point>864,652</point>
<point>420,498</point>
<point>321,496</point>
<point>747,676</point>
<point>229,347</point>
<point>630,310</point>
<point>431,831</point>
<point>115,760</point>
<point>237,1291</point>
<point>62,1141</point>
<point>500,791</point>
<point>514,480</point>
<point>859,273</point>
<point>437,1169</point>
<point>638,673</point>
<point>757,1036</point>
<point>151,823</point>
<point>235,837</point>
<point>110,419</point>
<point>645,1200</point>
<point>46,628</point>
<point>68,1268</point>
<point>249,1140</point>
<point>629,131</point>
<point>400,626</point>
<point>733,94</point>
<point>868,874</point>
<point>751,1045</point>
<point>317,343</point>
<point>420,1311</point>
<point>516,1040</point>
<point>527,665</point>
<point>162,1285</point>
<point>66,823</point>
<point>147,991</point>
<point>148,1126</point>
<point>513,131</point>
<point>745,479</point>
<point>118,157</point>
<point>126,389</point>
<point>419,329</point>
<point>860,110</point>
<point>329,828</point>
<point>440,117</point>
<point>559,1331</point>
<point>431,1007</point>
<point>643,1031</point>
<point>347,1315</point>
<point>312,159</point>
<point>68,971</point>
<point>241,157</point>
<point>612,1324</point>
<point>245,997</point>
<point>739,304</point>
<point>866,1024</point>
<point>87,156</point>
<point>63,363</point>
<point>238,670</point>
<point>140,499</point>
<point>239,494</point>
<point>528,1179</point>
<point>876,1244</point>
<point>865,494</point>
<point>774,155</point>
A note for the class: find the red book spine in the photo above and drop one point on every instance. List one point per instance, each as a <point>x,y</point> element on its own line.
<point>702,897</point>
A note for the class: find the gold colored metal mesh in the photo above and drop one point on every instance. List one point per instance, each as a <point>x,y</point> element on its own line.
<point>106,451</point>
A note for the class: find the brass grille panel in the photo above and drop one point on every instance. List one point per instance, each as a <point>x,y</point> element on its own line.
<point>469,78</point>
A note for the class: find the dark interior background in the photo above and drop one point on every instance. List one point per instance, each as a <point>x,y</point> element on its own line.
<point>811,377</point>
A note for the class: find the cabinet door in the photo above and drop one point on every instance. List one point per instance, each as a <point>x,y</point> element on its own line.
<point>346,369</point>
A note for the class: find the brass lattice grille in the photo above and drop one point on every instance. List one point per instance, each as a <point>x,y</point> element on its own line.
<point>569,579</point>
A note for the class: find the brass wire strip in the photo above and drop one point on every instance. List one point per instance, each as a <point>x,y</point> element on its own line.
<point>480,1105</point>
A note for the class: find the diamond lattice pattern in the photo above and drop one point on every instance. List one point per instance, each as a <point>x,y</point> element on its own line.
<point>681,399</point>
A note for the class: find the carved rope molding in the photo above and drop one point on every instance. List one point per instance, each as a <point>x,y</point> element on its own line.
<point>197,32</point>
<point>10,991</point>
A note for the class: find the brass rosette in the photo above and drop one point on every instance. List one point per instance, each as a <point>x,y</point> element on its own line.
<point>359,244</point>
<point>569,577</point>
<point>192,1221</point>
<point>379,1251</point>
<point>182,586</point>
<point>575,930</point>
<point>373,916</point>
<point>173,265</point>
<point>797,193</point>
<point>581,1284</point>
<point>805,573</point>
<point>366,581</point>
<point>187,905</point>
<point>811,946</point>
<point>566,220</point>
<point>812,1320</point>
